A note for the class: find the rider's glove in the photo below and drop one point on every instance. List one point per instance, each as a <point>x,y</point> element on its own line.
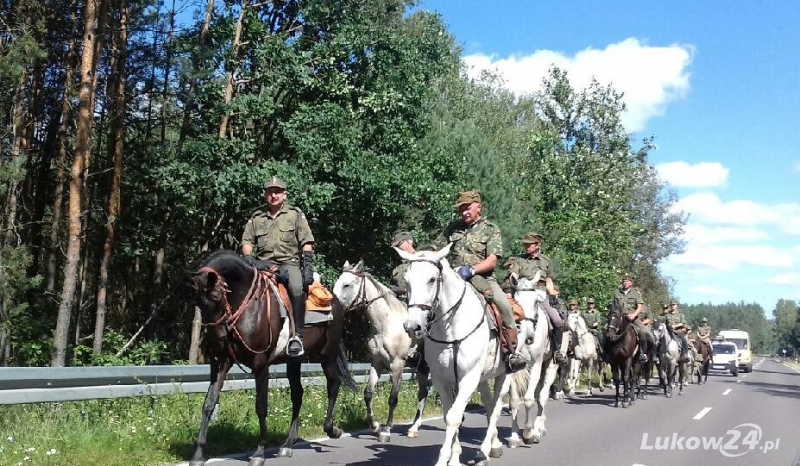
<point>466,272</point>
<point>307,270</point>
<point>282,276</point>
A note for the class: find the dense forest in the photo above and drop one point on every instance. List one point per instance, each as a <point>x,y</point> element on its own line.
<point>136,136</point>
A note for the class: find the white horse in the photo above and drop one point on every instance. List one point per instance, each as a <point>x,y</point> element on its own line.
<point>669,351</point>
<point>584,352</point>
<point>390,345</point>
<point>533,383</point>
<point>458,347</point>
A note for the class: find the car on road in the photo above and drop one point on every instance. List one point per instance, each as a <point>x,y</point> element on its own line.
<point>726,357</point>
<point>742,341</point>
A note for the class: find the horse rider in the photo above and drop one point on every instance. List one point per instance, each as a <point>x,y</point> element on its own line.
<point>477,247</point>
<point>280,234</point>
<point>677,321</point>
<point>704,332</point>
<point>405,241</point>
<point>688,333</point>
<point>592,317</point>
<point>629,300</point>
<point>525,266</point>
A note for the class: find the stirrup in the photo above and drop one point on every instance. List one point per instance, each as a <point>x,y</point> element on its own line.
<point>642,357</point>
<point>294,348</point>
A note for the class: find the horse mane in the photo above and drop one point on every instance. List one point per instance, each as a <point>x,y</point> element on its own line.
<point>208,258</point>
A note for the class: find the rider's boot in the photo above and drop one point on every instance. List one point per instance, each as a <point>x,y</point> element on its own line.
<point>508,344</point>
<point>294,348</point>
<point>558,337</point>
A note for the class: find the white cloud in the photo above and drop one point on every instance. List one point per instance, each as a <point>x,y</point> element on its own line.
<point>791,278</point>
<point>730,258</point>
<point>706,208</point>
<point>699,175</point>
<point>649,77</point>
<point>704,234</point>
<point>706,290</point>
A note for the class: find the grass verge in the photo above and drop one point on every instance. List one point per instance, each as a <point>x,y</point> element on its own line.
<point>150,431</point>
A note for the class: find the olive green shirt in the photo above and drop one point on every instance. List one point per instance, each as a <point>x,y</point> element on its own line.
<point>526,266</point>
<point>704,331</point>
<point>675,318</point>
<point>591,318</point>
<point>471,244</point>
<point>398,273</point>
<point>278,238</point>
<point>628,302</point>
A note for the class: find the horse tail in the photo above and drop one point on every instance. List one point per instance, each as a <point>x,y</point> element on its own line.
<point>521,379</point>
<point>343,369</point>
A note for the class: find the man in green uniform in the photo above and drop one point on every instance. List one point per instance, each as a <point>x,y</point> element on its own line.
<point>280,234</point>
<point>526,265</point>
<point>629,300</point>
<point>704,332</point>
<point>477,248</point>
<point>401,240</point>
<point>676,321</point>
<point>592,319</point>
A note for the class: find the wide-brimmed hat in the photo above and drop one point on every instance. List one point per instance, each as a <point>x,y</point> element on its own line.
<point>467,197</point>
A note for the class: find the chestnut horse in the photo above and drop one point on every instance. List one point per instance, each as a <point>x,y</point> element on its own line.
<point>704,350</point>
<point>244,326</point>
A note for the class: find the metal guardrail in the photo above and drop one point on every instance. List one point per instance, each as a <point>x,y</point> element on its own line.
<point>19,385</point>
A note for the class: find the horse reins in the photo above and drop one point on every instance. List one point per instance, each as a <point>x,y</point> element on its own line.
<point>362,292</point>
<point>229,318</point>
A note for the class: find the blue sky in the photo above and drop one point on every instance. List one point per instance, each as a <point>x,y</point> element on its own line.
<point>718,85</point>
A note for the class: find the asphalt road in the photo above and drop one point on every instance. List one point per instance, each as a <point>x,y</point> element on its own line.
<point>750,420</point>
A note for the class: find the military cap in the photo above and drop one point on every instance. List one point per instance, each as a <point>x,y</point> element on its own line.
<point>674,301</point>
<point>590,301</point>
<point>467,197</point>
<point>275,182</point>
<point>704,319</point>
<point>531,237</point>
<point>401,236</point>
<point>664,309</point>
<point>627,276</point>
<point>573,302</point>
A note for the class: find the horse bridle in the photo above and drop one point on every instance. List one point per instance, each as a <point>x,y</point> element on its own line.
<point>431,318</point>
<point>229,317</point>
<point>529,319</point>
<point>362,292</point>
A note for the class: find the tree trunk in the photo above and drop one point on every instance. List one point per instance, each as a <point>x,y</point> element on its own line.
<point>83,147</point>
<point>115,149</point>
<point>194,344</point>
<point>237,35</point>
<point>61,160</point>
<point>189,106</point>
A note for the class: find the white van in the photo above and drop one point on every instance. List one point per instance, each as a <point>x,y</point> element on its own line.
<point>725,358</point>
<point>742,341</point>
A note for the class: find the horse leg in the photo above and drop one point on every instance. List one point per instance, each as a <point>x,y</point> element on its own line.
<point>423,376</point>
<point>397,377</point>
<point>446,396</point>
<point>218,373</point>
<point>262,400</point>
<point>531,392</point>
<point>539,427</point>
<point>615,375</point>
<point>334,382</point>
<point>491,446</point>
<point>681,377</point>
<point>296,390</point>
<point>368,391</point>
<point>513,405</point>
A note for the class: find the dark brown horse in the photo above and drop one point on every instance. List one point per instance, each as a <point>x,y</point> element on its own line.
<point>705,359</point>
<point>244,326</point>
<point>620,349</point>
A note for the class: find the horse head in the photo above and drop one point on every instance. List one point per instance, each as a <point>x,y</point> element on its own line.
<point>350,285</point>
<point>221,273</point>
<point>617,324</point>
<point>528,295</point>
<point>424,282</point>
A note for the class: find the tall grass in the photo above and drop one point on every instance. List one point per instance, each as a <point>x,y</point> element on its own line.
<point>158,430</point>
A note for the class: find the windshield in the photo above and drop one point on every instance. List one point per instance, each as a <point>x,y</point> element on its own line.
<point>723,349</point>
<point>741,343</point>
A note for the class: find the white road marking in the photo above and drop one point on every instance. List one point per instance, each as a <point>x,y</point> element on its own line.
<point>727,391</point>
<point>702,413</point>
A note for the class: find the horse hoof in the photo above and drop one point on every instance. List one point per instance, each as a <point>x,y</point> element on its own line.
<point>529,440</point>
<point>481,459</point>
<point>197,463</point>
<point>413,434</point>
<point>495,453</point>
<point>375,428</point>
<point>384,437</point>
<point>285,452</point>
<point>335,433</point>
<point>514,443</point>
<point>256,462</point>
<point>616,405</point>
<point>625,405</point>
<point>669,395</point>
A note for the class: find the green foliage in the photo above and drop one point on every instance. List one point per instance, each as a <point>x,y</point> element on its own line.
<point>142,354</point>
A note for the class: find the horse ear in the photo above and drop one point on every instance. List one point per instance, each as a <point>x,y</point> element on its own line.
<point>346,266</point>
<point>204,280</point>
<point>359,267</point>
<point>442,253</point>
<point>537,276</point>
<point>405,255</point>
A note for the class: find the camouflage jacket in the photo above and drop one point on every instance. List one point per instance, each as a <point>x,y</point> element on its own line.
<point>471,244</point>
<point>278,238</point>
